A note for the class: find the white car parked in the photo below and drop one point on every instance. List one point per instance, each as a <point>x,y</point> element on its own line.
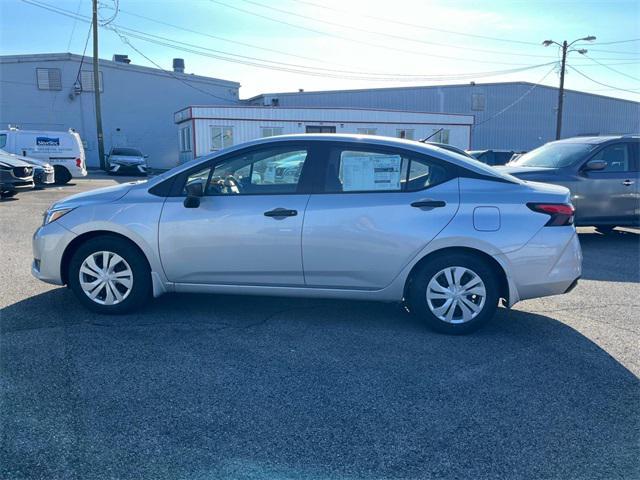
<point>127,160</point>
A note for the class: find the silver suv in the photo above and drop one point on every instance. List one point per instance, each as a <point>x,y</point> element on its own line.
<point>337,216</point>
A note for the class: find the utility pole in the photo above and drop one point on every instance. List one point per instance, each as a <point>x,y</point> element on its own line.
<point>96,86</point>
<point>565,50</point>
<point>565,46</point>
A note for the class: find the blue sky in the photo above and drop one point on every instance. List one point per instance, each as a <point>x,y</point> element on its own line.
<point>349,44</point>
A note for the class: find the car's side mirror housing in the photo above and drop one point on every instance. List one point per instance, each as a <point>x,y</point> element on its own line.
<point>195,191</point>
<point>146,156</point>
<point>595,165</point>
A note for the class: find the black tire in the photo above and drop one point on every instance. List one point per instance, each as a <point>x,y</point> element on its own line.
<point>61,174</point>
<point>605,229</point>
<point>141,288</point>
<point>420,281</point>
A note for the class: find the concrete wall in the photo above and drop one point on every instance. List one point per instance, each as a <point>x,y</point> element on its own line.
<point>139,101</point>
<point>526,125</point>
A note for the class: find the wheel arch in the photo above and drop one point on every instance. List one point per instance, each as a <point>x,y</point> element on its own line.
<point>82,238</point>
<point>497,268</point>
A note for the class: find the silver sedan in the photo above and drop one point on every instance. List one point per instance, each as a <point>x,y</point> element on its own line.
<point>334,216</point>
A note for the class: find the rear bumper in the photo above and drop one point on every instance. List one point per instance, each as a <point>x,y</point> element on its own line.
<point>549,264</point>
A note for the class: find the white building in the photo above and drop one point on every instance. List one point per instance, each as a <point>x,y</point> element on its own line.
<point>205,129</point>
<point>55,92</point>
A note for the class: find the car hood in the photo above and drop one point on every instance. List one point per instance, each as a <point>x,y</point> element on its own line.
<point>10,162</point>
<point>520,172</point>
<point>99,195</point>
<point>126,159</point>
<point>29,160</point>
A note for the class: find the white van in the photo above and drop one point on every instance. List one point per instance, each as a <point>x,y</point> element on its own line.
<point>63,150</point>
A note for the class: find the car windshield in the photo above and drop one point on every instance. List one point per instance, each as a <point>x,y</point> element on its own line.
<point>129,152</point>
<point>554,155</point>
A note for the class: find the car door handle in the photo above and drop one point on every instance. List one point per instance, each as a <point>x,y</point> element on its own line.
<point>428,204</point>
<point>628,183</point>
<point>281,212</point>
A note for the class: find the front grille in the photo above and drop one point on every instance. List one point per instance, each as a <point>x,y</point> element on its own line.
<point>22,172</point>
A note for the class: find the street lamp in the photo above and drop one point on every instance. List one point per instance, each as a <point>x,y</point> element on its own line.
<point>565,49</point>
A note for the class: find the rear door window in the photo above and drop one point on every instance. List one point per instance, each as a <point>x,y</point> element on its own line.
<point>363,170</point>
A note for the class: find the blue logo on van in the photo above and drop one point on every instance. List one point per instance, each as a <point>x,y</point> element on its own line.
<point>47,142</point>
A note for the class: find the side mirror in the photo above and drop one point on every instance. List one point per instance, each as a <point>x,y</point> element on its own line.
<point>595,165</point>
<point>146,156</point>
<point>195,191</point>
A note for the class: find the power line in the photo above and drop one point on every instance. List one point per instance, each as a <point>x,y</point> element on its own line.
<point>612,69</point>
<point>73,29</point>
<point>394,36</point>
<point>516,101</point>
<point>618,41</point>
<point>414,25</point>
<point>361,42</point>
<point>600,83</point>
<point>126,41</point>
<point>84,51</point>
<point>282,66</point>
<point>390,35</point>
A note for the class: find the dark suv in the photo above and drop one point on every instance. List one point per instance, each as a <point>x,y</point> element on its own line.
<point>602,173</point>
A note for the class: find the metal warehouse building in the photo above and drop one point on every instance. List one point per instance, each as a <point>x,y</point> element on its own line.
<point>513,115</point>
<point>55,92</point>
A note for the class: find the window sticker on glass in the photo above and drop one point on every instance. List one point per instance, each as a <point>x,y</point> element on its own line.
<point>370,171</point>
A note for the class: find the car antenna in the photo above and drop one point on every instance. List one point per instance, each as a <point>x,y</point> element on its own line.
<point>424,140</point>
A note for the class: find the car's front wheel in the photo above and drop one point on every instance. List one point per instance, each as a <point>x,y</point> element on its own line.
<point>109,275</point>
<point>455,294</point>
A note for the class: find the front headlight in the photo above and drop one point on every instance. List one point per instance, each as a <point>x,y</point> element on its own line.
<point>54,214</point>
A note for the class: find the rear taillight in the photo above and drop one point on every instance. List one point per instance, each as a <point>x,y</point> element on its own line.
<point>561,213</point>
<point>78,162</point>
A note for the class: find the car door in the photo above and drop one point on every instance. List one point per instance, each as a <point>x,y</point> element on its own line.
<point>608,195</point>
<point>377,209</point>
<point>248,225</point>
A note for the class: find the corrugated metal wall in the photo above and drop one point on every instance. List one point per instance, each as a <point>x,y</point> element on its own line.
<point>526,125</point>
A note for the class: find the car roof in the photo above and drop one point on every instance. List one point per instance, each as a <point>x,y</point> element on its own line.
<point>595,140</point>
<point>371,140</point>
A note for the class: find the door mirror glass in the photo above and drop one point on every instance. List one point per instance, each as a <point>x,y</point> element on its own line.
<point>595,165</point>
<point>195,188</point>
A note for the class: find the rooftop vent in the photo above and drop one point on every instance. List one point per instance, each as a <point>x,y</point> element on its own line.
<point>178,65</point>
<point>121,58</point>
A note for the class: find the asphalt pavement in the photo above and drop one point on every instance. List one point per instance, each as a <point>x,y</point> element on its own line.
<point>237,387</point>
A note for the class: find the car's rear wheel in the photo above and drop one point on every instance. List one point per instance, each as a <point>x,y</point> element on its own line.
<point>109,275</point>
<point>455,294</point>
<point>62,175</point>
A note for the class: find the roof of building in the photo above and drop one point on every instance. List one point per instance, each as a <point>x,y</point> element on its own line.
<point>50,57</point>
<point>435,87</point>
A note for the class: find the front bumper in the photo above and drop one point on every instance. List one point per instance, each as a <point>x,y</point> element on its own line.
<point>139,168</point>
<point>49,243</point>
<point>43,177</point>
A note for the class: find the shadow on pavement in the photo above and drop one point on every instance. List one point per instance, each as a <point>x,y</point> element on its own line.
<point>613,257</point>
<point>248,387</point>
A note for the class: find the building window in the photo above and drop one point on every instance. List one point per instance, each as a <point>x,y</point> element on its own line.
<point>271,131</point>
<point>49,78</point>
<point>320,129</point>
<point>86,81</point>
<point>477,101</point>
<point>221,137</point>
<point>3,140</point>
<point>408,133</point>
<point>367,131</point>
<point>185,139</point>
<point>442,135</point>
